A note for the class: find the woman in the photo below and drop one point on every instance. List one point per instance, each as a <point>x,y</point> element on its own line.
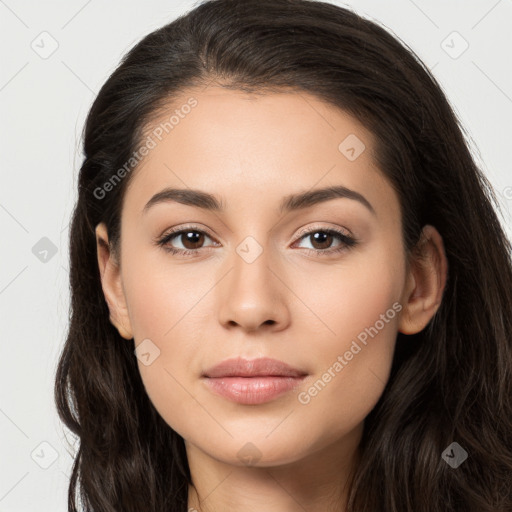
<point>214,361</point>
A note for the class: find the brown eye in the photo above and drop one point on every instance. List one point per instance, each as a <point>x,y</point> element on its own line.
<point>321,240</point>
<point>192,239</point>
<point>327,241</point>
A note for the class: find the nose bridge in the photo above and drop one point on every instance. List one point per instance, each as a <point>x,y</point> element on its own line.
<point>251,293</point>
<point>251,272</point>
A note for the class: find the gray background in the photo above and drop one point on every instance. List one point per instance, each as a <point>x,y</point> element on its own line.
<point>43,102</point>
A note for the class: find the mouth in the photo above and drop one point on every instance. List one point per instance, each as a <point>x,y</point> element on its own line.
<point>252,382</point>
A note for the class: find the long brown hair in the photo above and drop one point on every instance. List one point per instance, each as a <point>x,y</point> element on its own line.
<point>452,382</point>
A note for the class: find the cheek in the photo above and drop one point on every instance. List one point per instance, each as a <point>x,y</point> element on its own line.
<point>168,307</point>
<point>160,293</point>
<point>354,354</point>
<point>345,299</point>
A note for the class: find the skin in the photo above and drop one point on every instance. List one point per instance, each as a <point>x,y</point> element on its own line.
<point>295,305</point>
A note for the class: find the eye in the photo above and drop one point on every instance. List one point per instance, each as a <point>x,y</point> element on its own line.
<point>322,240</point>
<point>191,240</point>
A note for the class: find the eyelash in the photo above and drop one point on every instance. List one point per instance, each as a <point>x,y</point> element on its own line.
<point>347,242</point>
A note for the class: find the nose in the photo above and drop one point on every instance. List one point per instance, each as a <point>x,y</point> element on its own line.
<point>252,296</point>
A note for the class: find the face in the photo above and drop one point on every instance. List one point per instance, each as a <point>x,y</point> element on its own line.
<point>318,284</point>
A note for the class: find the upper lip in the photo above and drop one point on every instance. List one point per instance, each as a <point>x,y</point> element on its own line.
<point>264,366</point>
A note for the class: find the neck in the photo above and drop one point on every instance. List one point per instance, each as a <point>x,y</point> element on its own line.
<point>317,482</point>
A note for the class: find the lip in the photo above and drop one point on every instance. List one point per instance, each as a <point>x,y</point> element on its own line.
<point>254,381</point>
<point>261,367</point>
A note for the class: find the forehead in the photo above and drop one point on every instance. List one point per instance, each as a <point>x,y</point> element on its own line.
<point>236,144</point>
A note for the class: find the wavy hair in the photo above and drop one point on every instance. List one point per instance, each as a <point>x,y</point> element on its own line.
<point>450,382</point>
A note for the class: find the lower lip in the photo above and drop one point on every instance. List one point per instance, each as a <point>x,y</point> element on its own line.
<point>252,390</point>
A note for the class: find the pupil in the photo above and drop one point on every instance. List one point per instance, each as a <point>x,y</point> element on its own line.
<point>321,237</point>
<point>193,238</point>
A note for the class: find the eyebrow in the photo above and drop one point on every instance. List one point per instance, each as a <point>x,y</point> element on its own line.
<point>293,202</point>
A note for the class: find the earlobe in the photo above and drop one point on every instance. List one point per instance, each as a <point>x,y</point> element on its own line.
<point>426,282</point>
<point>111,284</point>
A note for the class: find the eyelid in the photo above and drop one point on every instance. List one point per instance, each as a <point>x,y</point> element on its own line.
<point>318,227</point>
<point>343,234</point>
<point>186,227</point>
<point>299,234</point>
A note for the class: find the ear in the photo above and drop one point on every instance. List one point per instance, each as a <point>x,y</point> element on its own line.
<point>111,283</point>
<point>426,281</point>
